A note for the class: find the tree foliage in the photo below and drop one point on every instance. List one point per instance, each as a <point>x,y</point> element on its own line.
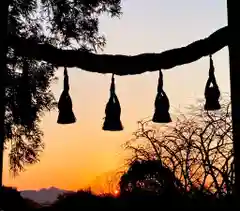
<point>149,176</point>
<point>197,148</point>
<point>66,24</point>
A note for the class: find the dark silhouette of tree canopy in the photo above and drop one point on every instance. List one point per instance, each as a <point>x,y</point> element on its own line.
<point>59,23</point>
<point>149,176</point>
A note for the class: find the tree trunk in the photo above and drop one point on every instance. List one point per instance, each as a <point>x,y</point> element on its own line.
<point>3,51</point>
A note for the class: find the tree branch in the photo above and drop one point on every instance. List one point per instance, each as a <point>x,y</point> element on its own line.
<point>121,64</point>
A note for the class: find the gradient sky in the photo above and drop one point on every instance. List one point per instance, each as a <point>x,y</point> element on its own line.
<point>76,155</point>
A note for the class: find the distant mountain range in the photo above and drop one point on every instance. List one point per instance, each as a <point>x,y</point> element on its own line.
<point>43,196</point>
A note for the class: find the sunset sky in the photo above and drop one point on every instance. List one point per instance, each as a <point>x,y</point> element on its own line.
<point>76,155</point>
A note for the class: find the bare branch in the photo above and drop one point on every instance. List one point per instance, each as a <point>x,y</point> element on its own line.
<point>196,149</point>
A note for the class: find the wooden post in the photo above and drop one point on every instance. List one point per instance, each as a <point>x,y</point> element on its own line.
<point>234,60</point>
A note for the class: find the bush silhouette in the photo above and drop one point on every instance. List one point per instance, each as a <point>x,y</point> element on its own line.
<point>11,200</point>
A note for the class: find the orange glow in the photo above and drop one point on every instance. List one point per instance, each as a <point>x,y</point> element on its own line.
<point>75,155</point>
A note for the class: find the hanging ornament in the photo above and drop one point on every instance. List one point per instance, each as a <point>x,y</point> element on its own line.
<point>113,111</point>
<point>161,114</point>
<point>66,115</point>
<point>212,93</point>
<point>27,112</point>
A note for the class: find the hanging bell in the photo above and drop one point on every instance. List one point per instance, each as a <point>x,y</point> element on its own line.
<point>112,120</point>
<point>212,93</point>
<point>161,114</point>
<point>66,115</point>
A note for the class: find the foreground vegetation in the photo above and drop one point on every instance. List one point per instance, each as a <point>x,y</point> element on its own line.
<point>85,200</point>
<point>184,165</point>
